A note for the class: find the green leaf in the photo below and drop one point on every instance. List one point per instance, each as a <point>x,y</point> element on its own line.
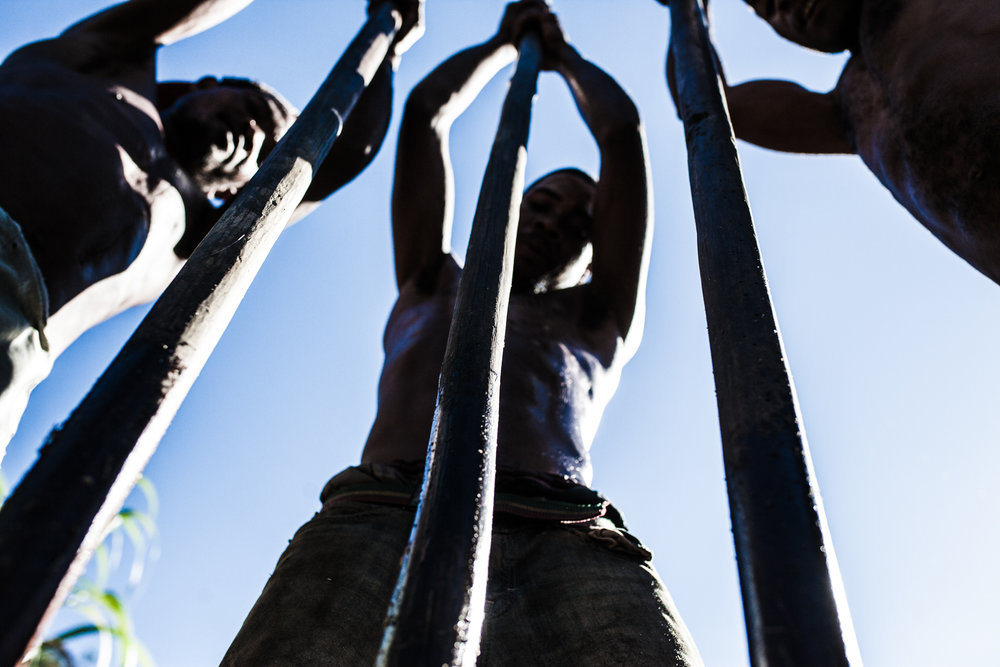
<point>149,492</point>
<point>109,621</point>
<point>102,564</point>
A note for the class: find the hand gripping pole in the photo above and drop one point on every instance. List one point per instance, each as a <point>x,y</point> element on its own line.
<point>794,603</point>
<point>437,609</point>
<point>56,516</point>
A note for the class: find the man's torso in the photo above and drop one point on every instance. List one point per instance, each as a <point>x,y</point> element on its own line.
<point>921,97</point>
<point>86,176</point>
<point>561,365</point>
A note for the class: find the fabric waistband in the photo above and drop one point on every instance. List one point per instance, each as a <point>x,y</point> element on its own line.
<point>536,496</point>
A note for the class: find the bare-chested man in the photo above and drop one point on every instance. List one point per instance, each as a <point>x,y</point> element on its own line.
<point>567,584</point>
<point>107,177</point>
<point>919,101</point>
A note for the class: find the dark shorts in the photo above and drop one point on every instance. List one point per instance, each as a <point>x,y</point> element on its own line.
<point>559,593</point>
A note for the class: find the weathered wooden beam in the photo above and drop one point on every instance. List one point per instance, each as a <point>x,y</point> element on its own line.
<point>796,611</point>
<point>438,606</point>
<point>55,517</point>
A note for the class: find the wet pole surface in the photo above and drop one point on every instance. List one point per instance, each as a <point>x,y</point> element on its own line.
<point>437,608</point>
<point>795,608</point>
<point>55,518</point>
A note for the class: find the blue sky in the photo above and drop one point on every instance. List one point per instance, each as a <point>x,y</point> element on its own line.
<point>889,337</point>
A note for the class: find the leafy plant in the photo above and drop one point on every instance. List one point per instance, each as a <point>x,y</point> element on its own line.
<point>106,621</point>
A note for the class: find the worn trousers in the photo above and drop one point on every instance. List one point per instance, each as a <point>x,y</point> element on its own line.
<point>575,594</point>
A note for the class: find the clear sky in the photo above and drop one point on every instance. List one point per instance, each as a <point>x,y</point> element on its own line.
<point>887,334</point>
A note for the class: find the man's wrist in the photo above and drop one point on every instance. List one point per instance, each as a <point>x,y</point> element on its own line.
<point>565,57</point>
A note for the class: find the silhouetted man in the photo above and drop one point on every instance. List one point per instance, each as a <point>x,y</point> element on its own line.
<point>109,179</point>
<point>567,584</point>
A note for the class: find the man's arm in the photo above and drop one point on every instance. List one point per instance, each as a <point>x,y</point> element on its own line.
<point>358,143</point>
<point>365,127</point>
<point>622,220</point>
<point>779,115</point>
<point>422,196</point>
<point>159,22</point>
<point>623,225</point>
<point>784,116</point>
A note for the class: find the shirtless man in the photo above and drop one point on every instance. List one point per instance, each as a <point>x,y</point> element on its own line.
<point>580,593</point>
<point>919,101</point>
<point>108,177</point>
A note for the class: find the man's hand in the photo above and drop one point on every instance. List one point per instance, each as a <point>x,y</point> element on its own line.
<point>535,16</point>
<point>413,26</point>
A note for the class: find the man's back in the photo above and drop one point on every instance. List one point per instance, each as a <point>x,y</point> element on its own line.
<point>921,99</point>
<point>90,201</point>
<point>918,101</point>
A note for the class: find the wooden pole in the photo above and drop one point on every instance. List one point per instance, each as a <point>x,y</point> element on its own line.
<point>56,516</point>
<point>437,608</point>
<point>794,603</point>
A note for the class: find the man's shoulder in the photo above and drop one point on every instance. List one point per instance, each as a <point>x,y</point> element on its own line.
<point>438,277</point>
<point>102,56</point>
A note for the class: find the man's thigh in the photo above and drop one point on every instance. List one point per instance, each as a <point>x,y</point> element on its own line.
<point>569,596</point>
<point>327,599</point>
<point>556,596</point>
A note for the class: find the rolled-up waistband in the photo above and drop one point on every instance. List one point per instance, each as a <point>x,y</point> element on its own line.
<point>538,496</point>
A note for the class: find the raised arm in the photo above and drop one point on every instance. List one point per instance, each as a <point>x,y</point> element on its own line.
<point>779,115</point>
<point>159,22</point>
<point>365,128</point>
<point>422,196</point>
<point>622,219</point>
<point>784,116</point>
<point>358,143</point>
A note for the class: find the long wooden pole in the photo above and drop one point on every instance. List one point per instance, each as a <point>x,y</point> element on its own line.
<point>56,516</point>
<point>796,611</point>
<point>438,605</point>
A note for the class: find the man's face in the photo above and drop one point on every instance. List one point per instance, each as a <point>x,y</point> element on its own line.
<point>219,133</point>
<point>825,25</point>
<point>553,235</point>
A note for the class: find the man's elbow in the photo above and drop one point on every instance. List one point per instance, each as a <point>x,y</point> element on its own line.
<point>622,131</point>
<point>621,123</point>
<point>425,102</point>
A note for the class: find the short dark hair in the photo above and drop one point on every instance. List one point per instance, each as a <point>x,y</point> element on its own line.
<point>578,174</point>
<point>567,171</point>
<point>185,137</point>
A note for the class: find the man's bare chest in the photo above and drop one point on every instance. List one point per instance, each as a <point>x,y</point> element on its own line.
<point>545,336</point>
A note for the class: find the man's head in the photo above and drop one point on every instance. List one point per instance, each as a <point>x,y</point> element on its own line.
<point>825,25</point>
<point>219,131</point>
<point>553,248</point>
